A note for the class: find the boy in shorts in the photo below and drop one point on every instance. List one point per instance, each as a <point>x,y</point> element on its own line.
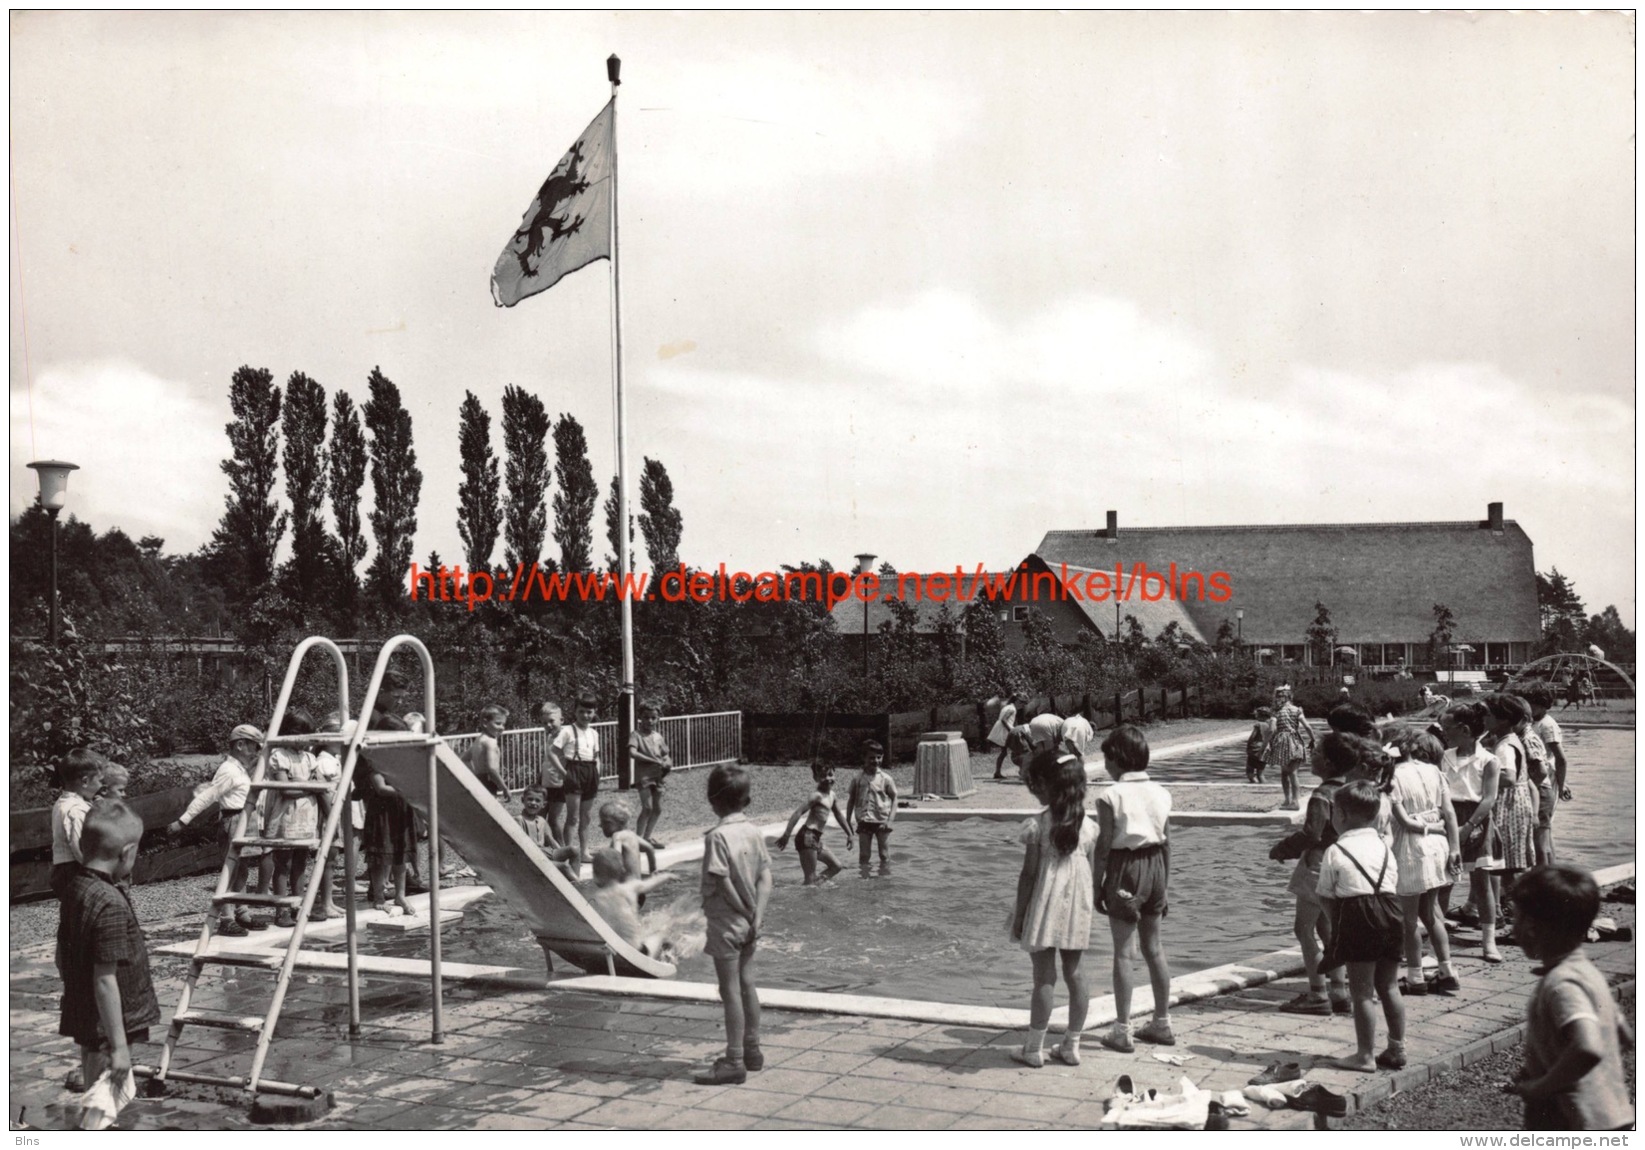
<point>1573,1077</point>
<point>577,751</point>
<point>873,802</point>
<point>652,763</point>
<point>102,956</point>
<point>629,846</point>
<point>815,812</point>
<point>551,776</point>
<point>736,883</point>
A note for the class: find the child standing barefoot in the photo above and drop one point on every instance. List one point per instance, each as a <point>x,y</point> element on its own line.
<point>1000,735</point>
<point>652,764</point>
<point>815,811</point>
<point>1366,933</point>
<point>1055,894</point>
<point>1291,745</point>
<point>1133,855</point>
<point>736,884</point>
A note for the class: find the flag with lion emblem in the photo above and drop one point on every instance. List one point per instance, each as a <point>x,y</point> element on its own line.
<point>567,226</point>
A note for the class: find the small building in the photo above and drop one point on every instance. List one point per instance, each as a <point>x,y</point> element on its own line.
<point>1380,582</point>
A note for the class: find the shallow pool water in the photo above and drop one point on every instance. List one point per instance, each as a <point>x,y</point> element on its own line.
<point>935,927</point>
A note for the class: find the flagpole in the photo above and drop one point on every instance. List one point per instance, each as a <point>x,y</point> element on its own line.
<point>625,701</point>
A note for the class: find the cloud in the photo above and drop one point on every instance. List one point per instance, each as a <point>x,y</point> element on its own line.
<point>148,449</point>
<point>935,428</point>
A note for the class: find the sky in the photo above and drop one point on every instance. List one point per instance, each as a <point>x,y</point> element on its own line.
<point>923,285</point>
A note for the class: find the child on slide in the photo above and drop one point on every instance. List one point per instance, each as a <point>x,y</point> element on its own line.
<point>617,898</point>
<point>815,812</point>
<point>539,828</point>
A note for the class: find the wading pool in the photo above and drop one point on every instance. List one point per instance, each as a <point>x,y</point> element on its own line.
<point>935,927</point>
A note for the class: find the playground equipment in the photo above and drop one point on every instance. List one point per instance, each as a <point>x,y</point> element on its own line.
<point>1610,681</point>
<point>456,806</point>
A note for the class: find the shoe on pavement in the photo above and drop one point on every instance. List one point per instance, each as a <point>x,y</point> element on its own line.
<point>1157,1033</point>
<point>1418,988</point>
<point>753,1057</point>
<point>251,923</point>
<point>1119,1039</point>
<point>1341,1004</point>
<point>1445,984</point>
<point>724,1072</point>
<point>231,928</point>
<point>1278,1072</point>
<point>1321,1100</point>
<point>1216,1118</point>
<point>1033,1058</point>
<point>1306,1003</point>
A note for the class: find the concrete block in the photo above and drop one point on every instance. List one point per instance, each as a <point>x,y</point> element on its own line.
<point>943,766</point>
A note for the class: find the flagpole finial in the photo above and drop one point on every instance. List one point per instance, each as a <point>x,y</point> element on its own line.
<point>613,69</point>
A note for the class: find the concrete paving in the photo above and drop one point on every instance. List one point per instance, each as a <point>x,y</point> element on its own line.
<point>569,1059</point>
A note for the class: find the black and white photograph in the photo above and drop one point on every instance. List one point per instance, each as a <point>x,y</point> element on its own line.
<point>682,571</point>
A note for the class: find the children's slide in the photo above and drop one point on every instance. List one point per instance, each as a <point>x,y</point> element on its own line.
<point>490,840</point>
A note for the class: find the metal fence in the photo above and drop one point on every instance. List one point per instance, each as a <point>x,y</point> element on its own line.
<point>693,741</point>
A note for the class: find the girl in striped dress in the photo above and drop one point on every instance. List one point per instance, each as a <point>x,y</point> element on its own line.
<point>1291,745</point>
<point>1515,816</point>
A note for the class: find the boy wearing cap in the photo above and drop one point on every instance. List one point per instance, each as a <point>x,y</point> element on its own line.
<point>228,790</point>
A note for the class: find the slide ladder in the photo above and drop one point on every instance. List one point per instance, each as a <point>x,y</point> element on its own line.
<point>425,771</point>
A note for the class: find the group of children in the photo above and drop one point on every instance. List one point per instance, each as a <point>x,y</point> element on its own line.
<point>1386,835</point>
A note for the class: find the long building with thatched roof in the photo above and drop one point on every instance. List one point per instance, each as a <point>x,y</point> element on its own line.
<point>1379,581</point>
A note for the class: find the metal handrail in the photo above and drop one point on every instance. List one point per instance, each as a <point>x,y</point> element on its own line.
<point>431,729</point>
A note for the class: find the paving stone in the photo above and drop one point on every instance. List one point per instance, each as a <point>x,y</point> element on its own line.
<point>826,1111</point>
<point>1039,1108</point>
<point>741,1100</point>
<point>831,1062</point>
<point>628,1114</point>
<point>905,1118</point>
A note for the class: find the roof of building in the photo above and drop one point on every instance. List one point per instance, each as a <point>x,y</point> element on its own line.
<point>1379,580</point>
<point>847,614</point>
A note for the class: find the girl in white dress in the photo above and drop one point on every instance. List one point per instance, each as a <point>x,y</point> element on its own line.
<point>1426,849</point>
<point>1055,897</point>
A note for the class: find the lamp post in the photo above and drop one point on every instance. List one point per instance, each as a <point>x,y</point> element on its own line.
<point>1239,622</point>
<point>865,564</point>
<point>54,489</point>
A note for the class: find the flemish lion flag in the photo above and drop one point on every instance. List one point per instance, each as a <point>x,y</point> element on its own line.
<point>567,226</point>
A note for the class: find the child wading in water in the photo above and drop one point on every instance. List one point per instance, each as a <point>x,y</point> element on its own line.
<point>815,812</point>
<point>1055,894</point>
<point>1256,744</point>
<point>617,896</point>
<point>736,884</point>
<point>1133,856</point>
<point>873,801</point>
<point>1358,879</point>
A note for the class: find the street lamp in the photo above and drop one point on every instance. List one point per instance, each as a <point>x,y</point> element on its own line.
<point>1239,622</point>
<point>54,489</point>
<point>865,564</point>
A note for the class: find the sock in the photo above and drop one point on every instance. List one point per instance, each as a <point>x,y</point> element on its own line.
<point>1413,972</point>
<point>1444,970</point>
<point>1396,1046</point>
<point>1036,1041</point>
<point>1316,988</point>
<point>735,1057</point>
<point>1071,1042</point>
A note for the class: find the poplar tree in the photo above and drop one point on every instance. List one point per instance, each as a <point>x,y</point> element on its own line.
<point>611,529</point>
<point>574,501</point>
<point>304,426</point>
<point>525,443</point>
<point>395,486</point>
<point>478,511</point>
<point>346,475</point>
<point>660,520</point>
<point>244,543</point>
